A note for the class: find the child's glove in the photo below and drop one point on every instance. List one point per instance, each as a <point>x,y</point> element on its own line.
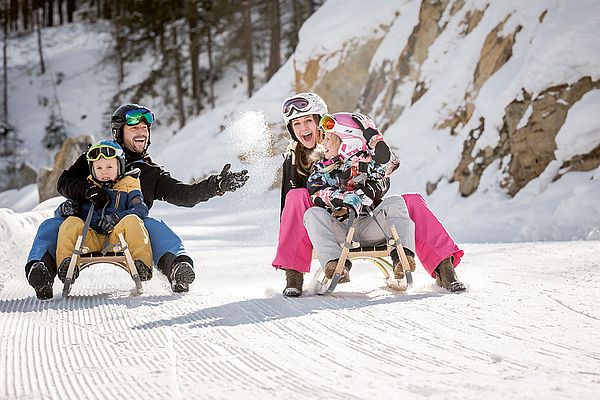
<point>231,181</point>
<point>364,197</point>
<point>97,196</point>
<point>353,203</point>
<point>108,222</point>
<point>374,138</point>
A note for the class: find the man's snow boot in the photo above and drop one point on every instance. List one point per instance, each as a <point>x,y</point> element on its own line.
<point>446,277</point>
<point>330,269</point>
<point>294,281</point>
<point>144,271</point>
<point>182,275</point>
<point>64,268</point>
<point>41,281</point>
<point>398,270</point>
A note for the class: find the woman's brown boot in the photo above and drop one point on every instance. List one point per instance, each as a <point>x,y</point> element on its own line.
<point>294,281</point>
<point>446,277</point>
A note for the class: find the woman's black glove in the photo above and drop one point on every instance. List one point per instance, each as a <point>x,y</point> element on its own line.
<point>97,196</point>
<point>231,181</point>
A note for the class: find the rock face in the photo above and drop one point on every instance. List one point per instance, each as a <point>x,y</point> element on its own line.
<point>15,177</point>
<point>71,149</point>
<point>523,141</point>
<point>530,147</point>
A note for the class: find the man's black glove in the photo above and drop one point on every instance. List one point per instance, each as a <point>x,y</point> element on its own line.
<point>69,208</point>
<point>231,181</point>
<point>97,196</point>
<point>108,222</point>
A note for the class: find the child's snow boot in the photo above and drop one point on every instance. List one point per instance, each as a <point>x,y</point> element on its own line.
<point>144,271</point>
<point>398,270</point>
<point>182,275</point>
<point>64,268</point>
<point>330,269</point>
<point>41,281</point>
<point>294,281</point>
<point>446,277</point>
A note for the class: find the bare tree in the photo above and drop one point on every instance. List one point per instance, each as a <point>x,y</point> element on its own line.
<point>61,19</point>
<point>5,64</point>
<point>13,10</point>
<point>248,44</point>
<point>70,10</point>
<point>297,20</point>
<point>38,23</point>
<point>178,82</point>
<point>50,14</point>
<point>194,37</point>
<point>208,19</point>
<point>119,49</point>
<point>25,10</point>
<point>275,28</point>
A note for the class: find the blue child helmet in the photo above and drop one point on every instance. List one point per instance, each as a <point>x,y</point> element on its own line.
<point>107,149</point>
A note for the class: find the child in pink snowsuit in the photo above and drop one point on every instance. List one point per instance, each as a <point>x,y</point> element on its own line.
<point>352,179</point>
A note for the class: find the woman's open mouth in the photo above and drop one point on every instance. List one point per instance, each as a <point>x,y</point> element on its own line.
<point>307,137</point>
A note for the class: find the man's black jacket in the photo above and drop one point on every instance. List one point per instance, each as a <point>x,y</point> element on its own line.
<point>157,184</point>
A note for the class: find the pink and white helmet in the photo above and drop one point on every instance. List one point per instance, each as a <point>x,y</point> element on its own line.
<point>301,105</point>
<point>343,126</point>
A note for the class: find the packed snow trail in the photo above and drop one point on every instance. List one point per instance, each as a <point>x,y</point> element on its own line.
<point>526,328</point>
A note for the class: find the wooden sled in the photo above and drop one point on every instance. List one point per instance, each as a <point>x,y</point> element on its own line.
<point>374,254</point>
<point>119,256</point>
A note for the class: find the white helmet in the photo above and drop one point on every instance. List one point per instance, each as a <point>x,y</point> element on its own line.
<point>301,105</point>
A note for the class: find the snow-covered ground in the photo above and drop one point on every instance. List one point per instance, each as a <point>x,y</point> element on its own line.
<point>526,328</point>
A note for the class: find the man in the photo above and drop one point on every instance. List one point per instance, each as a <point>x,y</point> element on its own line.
<point>131,127</point>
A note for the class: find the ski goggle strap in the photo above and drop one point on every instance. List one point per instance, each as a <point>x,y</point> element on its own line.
<point>297,103</point>
<point>104,151</point>
<point>134,117</point>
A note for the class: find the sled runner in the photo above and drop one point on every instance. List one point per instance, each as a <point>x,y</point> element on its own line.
<point>375,255</point>
<point>118,255</point>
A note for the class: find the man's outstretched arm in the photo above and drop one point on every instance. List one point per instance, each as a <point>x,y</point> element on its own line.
<point>182,194</point>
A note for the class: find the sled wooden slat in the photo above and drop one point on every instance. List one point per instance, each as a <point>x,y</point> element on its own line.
<point>376,255</point>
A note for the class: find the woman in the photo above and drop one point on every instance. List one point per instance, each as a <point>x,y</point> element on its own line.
<point>301,114</point>
<point>435,248</point>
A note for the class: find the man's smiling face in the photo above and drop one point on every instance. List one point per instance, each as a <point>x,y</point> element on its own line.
<point>135,137</point>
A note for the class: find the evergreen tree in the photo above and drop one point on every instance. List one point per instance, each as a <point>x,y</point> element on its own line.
<point>55,132</point>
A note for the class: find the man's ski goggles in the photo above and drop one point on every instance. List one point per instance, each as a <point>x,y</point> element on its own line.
<point>104,151</point>
<point>134,117</point>
<point>297,103</point>
<point>329,124</point>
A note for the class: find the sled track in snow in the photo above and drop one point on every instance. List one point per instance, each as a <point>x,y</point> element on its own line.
<point>510,335</point>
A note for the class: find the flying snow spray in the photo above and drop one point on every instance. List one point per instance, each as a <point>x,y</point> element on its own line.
<point>252,139</point>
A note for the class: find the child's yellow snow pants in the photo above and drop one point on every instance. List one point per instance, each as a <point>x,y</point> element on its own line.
<point>131,226</point>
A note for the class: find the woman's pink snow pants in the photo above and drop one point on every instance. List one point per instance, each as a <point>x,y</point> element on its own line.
<point>433,243</point>
<point>294,249</point>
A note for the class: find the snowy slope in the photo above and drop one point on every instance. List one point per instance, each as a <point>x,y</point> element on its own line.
<point>526,328</point>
